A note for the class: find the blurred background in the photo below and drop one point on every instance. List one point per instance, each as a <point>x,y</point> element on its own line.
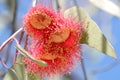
<point>95,65</point>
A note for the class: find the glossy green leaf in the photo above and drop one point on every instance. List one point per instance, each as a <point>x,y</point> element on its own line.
<point>92,35</point>
<point>25,53</point>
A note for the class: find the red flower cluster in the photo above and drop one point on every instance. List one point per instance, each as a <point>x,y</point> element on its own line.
<point>55,40</point>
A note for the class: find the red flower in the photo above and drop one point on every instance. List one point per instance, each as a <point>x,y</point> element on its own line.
<point>37,21</point>
<point>59,46</point>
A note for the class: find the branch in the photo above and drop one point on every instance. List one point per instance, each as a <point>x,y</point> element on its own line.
<point>34,3</point>
<point>10,39</point>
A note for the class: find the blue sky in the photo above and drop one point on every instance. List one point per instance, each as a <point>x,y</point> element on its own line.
<point>94,60</point>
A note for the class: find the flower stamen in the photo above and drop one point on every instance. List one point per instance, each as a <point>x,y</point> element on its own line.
<point>40,20</point>
<point>60,35</point>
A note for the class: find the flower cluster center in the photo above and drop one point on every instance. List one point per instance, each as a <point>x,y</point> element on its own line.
<point>60,36</point>
<point>40,20</point>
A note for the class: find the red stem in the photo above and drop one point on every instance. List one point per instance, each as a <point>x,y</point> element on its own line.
<point>26,42</point>
<point>10,39</point>
<point>4,64</point>
<point>20,40</point>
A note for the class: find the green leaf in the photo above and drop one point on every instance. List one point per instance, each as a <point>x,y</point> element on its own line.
<point>25,53</point>
<point>17,71</point>
<point>19,67</point>
<point>92,35</point>
<point>33,76</point>
<point>10,76</point>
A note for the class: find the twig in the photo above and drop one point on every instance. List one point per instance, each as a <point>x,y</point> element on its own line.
<point>20,40</point>
<point>10,39</point>
<point>34,3</point>
<point>106,68</point>
<point>26,42</point>
<point>12,4</point>
<point>83,69</point>
<point>57,5</point>
<point>4,64</point>
<point>15,73</point>
<point>82,60</point>
<point>14,7</point>
<point>17,42</point>
<point>25,53</point>
<point>9,68</point>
